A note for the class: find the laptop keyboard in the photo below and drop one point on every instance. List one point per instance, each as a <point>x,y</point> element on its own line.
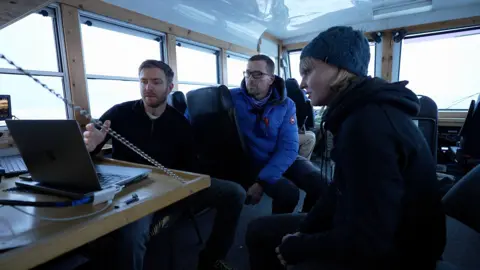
<point>13,165</point>
<point>108,179</point>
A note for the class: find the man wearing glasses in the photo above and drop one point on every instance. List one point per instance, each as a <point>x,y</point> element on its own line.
<point>266,118</point>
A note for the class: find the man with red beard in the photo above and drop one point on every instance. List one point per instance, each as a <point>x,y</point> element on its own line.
<point>165,135</point>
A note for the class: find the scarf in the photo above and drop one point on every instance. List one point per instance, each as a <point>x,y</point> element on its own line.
<point>258,104</point>
<point>258,107</point>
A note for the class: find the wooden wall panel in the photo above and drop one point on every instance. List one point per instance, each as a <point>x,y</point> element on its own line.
<point>438,26</point>
<point>172,57</point>
<point>280,61</point>
<point>76,69</point>
<point>295,46</point>
<point>223,67</point>
<point>271,37</point>
<point>387,56</point>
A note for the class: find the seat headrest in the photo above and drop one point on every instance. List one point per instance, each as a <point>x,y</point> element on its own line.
<point>220,146</point>
<point>209,100</point>
<point>294,92</point>
<point>178,101</point>
<point>291,83</point>
<point>462,201</point>
<point>428,108</point>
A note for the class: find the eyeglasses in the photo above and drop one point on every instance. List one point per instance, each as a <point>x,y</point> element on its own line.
<point>254,74</point>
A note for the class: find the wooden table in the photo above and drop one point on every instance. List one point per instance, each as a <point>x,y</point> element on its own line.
<point>41,241</point>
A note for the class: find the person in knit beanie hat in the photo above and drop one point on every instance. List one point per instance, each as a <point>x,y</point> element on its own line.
<point>333,57</point>
<point>381,204</point>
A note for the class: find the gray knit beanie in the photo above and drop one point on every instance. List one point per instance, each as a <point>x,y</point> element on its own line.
<point>343,47</point>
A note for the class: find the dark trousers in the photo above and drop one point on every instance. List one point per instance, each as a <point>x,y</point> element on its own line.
<point>265,234</point>
<point>129,243</point>
<point>285,193</point>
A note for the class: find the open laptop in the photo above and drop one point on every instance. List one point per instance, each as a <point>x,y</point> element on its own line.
<point>59,163</point>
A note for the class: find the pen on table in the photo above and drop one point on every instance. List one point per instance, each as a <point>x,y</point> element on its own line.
<point>132,200</point>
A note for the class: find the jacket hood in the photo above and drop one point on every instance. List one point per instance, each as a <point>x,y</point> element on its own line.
<point>280,92</point>
<point>367,90</point>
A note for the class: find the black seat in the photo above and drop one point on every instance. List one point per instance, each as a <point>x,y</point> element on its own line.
<point>221,148</point>
<point>177,100</point>
<point>304,109</point>
<point>428,123</point>
<point>462,202</point>
<point>212,116</point>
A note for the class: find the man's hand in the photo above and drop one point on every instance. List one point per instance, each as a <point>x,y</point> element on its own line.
<point>93,137</point>
<point>277,249</point>
<point>255,192</point>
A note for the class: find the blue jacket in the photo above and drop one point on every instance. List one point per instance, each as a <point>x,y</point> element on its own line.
<point>276,148</point>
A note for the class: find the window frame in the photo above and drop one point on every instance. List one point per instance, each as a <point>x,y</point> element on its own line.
<point>181,42</point>
<point>442,32</point>
<point>125,28</point>
<point>233,55</point>
<point>290,62</point>
<point>374,57</point>
<point>53,11</point>
<point>443,113</point>
<point>276,65</point>
<point>118,26</point>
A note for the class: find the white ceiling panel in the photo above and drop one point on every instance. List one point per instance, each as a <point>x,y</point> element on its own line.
<point>243,21</point>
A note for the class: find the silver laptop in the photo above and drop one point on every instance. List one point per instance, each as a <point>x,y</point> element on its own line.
<point>59,163</point>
